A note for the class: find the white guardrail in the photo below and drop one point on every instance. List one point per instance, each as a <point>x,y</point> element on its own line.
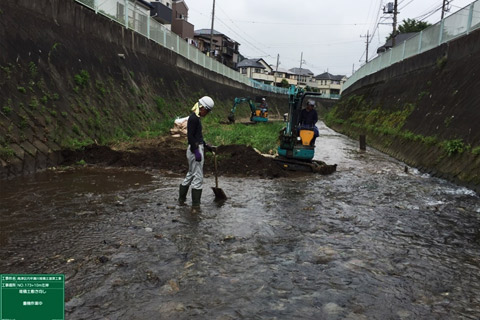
<point>133,16</point>
<point>456,25</point>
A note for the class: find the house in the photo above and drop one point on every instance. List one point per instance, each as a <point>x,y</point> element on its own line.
<point>162,12</point>
<point>399,39</point>
<point>329,84</point>
<point>224,49</point>
<point>283,74</point>
<point>302,76</point>
<point>180,24</point>
<point>256,69</point>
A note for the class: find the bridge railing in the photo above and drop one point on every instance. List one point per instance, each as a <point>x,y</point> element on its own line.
<point>135,17</point>
<point>456,25</point>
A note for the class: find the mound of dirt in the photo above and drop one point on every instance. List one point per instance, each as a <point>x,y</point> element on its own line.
<point>169,154</point>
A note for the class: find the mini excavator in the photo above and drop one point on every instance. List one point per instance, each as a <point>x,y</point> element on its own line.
<point>296,150</point>
<point>257,114</point>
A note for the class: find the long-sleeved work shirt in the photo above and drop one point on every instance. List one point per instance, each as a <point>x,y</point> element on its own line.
<point>194,131</point>
<point>308,118</point>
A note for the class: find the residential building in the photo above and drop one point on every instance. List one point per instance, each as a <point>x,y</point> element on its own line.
<point>283,74</point>
<point>224,49</point>
<point>302,76</point>
<point>161,12</point>
<point>180,24</point>
<point>256,69</point>
<point>329,84</point>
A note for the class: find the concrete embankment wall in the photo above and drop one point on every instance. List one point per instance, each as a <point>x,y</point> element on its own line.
<point>70,77</point>
<point>424,111</point>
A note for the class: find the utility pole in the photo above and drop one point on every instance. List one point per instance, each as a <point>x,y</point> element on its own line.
<point>212,48</point>
<point>368,42</point>
<point>395,12</point>
<point>444,7</point>
<point>276,71</point>
<point>301,61</point>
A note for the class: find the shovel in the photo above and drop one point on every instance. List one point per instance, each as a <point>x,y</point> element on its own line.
<point>219,194</point>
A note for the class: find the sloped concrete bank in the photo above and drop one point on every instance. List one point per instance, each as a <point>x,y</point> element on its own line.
<point>70,77</point>
<point>424,111</point>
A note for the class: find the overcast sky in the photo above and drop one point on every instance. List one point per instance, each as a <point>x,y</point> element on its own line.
<point>328,32</point>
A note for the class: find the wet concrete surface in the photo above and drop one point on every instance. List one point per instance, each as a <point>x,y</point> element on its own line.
<point>370,241</point>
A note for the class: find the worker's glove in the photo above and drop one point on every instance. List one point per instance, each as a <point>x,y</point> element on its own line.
<point>198,155</point>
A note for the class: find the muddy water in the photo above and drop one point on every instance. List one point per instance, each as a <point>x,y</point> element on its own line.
<point>368,242</point>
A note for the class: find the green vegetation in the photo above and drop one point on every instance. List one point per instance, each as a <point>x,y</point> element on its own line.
<point>34,103</point>
<point>22,90</point>
<point>6,110</point>
<point>160,104</point>
<point>44,99</point>
<point>284,83</point>
<point>32,67</point>
<point>476,150</point>
<point>23,122</point>
<point>441,62</point>
<point>6,152</point>
<point>82,79</point>
<point>101,87</point>
<point>7,70</point>
<point>81,163</point>
<point>157,129</point>
<point>453,147</point>
<point>410,25</point>
<point>355,111</point>
<point>76,129</point>
<point>448,121</point>
<point>70,143</point>
<point>262,136</point>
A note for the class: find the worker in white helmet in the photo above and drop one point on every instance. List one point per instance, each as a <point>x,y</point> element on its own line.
<point>195,152</point>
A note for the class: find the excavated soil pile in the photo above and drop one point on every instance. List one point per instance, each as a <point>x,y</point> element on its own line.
<point>169,155</point>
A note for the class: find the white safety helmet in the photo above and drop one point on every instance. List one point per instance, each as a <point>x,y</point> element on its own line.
<point>206,102</point>
<point>311,103</point>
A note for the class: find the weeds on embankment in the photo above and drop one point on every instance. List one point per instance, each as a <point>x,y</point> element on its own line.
<point>261,136</point>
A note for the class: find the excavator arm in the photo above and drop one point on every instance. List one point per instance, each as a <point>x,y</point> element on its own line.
<point>237,101</point>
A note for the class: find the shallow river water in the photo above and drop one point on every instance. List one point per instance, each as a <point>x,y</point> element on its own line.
<point>370,241</point>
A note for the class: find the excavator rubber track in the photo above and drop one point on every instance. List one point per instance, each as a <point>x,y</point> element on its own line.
<point>314,166</point>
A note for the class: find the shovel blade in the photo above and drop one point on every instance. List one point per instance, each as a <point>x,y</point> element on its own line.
<point>219,194</point>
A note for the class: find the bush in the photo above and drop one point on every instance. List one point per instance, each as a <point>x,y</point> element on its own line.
<point>453,147</point>
<point>82,78</point>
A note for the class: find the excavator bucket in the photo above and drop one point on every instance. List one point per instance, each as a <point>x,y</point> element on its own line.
<point>231,117</point>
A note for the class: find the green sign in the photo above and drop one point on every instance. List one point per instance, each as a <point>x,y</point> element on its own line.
<point>32,296</point>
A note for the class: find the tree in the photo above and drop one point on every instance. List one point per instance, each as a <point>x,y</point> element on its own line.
<point>284,83</point>
<point>410,25</point>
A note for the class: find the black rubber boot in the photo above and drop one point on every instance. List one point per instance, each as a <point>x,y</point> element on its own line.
<point>196,196</point>
<point>182,195</point>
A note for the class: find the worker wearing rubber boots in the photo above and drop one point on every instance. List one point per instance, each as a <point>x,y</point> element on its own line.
<point>195,152</point>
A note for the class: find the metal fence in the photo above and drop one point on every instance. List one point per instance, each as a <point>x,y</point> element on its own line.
<point>456,25</point>
<point>135,17</point>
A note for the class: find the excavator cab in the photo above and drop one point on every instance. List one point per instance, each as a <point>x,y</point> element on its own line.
<point>296,150</point>
<point>296,141</point>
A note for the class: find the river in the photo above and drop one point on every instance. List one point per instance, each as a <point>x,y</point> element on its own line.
<point>371,241</point>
